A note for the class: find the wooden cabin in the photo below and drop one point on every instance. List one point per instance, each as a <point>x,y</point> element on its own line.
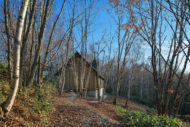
<point>77,70</point>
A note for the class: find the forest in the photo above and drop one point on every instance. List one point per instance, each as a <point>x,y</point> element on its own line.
<point>95,63</point>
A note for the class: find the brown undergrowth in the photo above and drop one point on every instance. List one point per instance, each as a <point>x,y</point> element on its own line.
<point>79,112</point>
<point>32,107</point>
<point>39,107</point>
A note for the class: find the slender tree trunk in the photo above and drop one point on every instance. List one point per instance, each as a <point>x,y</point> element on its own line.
<point>6,13</point>
<point>141,87</point>
<point>10,68</point>
<point>39,71</point>
<point>87,81</point>
<point>40,39</point>
<point>76,76</point>
<point>7,105</point>
<point>62,82</point>
<point>76,82</point>
<point>128,92</point>
<point>97,80</point>
<point>25,41</point>
<point>117,92</point>
<point>31,49</point>
<point>49,43</point>
<point>65,65</point>
<point>105,85</point>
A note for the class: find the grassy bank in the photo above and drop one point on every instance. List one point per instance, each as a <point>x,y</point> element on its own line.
<point>32,107</point>
<point>141,119</point>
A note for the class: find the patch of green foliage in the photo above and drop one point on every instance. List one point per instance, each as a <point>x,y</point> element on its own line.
<point>33,103</point>
<point>52,79</point>
<point>4,90</point>
<point>39,100</point>
<point>143,101</point>
<point>3,72</point>
<point>140,119</point>
<point>151,111</point>
<point>4,84</point>
<point>109,90</point>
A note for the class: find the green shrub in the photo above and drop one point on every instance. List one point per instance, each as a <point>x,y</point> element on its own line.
<point>39,100</point>
<point>3,72</point>
<point>140,119</point>
<point>33,104</point>
<point>151,111</point>
<point>4,90</point>
<point>109,90</point>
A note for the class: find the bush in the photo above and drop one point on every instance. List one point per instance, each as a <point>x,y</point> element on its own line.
<point>39,100</point>
<point>3,72</point>
<point>109,90</point>
<point>4,90</point>
<point>52,79</point>
<point>32,106</point>
<point>140,119</point>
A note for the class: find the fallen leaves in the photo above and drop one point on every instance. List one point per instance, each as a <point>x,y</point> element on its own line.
<point>170,91</point>
<point>81,112</point>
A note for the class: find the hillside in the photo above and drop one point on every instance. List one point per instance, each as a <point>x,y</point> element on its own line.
<point>67,110</point>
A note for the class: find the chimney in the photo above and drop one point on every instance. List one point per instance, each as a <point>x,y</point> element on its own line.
<point>94,63</point>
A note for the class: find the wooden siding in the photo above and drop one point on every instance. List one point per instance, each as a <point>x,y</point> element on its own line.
<point>92,84</point>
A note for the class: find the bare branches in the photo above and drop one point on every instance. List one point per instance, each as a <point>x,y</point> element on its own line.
<point>165,67</point>
<point>7,105</point>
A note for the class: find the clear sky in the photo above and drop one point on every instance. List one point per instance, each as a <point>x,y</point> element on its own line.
<point>103,22</point>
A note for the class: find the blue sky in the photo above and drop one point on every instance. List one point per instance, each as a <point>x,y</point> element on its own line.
<point>102,21</point>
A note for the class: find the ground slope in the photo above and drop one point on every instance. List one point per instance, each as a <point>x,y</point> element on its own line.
<point>80,112</point>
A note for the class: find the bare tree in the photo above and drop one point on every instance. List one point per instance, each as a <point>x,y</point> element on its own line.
<point>126,35</point>
<point>7,105</point>
<point>108,64</point>
<point>65,59</point>
<point>101,45</point>
<point>8,34</point>
<point>48,6</point>
<point>50,41</point>
<point>84,31</point>
<point>164,69</point>
<point>25,38</point>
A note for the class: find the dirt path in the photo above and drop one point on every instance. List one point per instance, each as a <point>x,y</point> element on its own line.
<point>76,112</point>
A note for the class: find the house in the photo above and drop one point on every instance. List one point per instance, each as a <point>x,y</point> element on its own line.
<point>80,71</point>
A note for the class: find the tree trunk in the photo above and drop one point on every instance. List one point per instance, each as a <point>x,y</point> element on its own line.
<point>7,105</point>
<point>39,72</point>
<point>117,92</point>
<point>49,43</point>
<point>40,39</point>
<point>128,92</point>
<point>62,79</point>
<point>87,82</point>
<point>76,82</point>
<point>76,76</point>
<point>141,87</point>
<point>105,84</point>
<point>6,13</point>
<point>25,41</point>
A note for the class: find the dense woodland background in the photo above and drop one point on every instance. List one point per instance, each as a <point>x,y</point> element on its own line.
<point>144,57</point>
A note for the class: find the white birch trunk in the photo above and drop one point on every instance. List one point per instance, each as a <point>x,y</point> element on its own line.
<point>7,105</point>
<point>87,81</point>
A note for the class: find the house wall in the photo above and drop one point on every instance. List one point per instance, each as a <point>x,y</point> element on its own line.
<point>69,79</point>
<point>92,82</point>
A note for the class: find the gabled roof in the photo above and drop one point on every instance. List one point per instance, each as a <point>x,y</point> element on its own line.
<point>77,54</point>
